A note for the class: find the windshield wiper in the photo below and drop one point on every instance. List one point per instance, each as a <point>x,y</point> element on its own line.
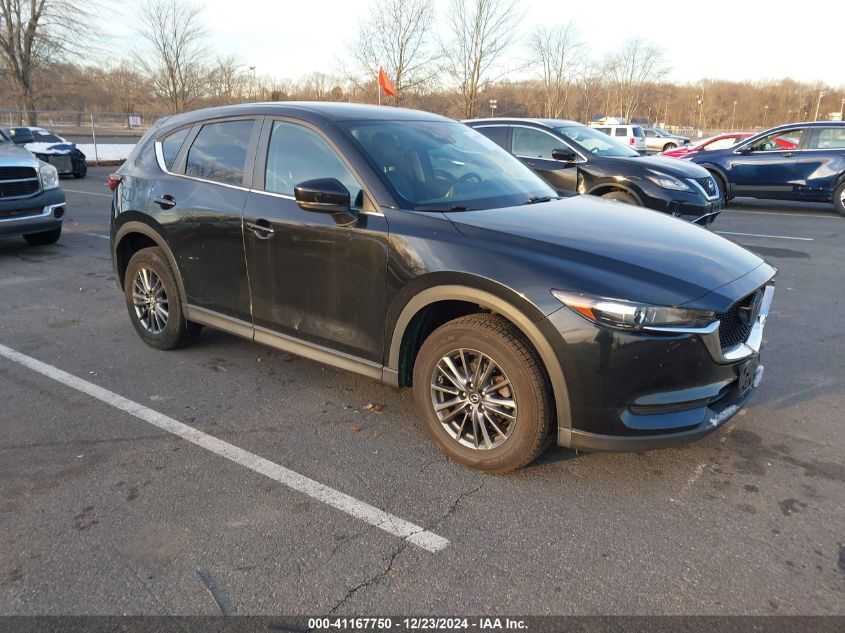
<point>536,199</point>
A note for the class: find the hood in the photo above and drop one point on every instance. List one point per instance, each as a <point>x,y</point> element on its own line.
<point>51,148</point>
<point>613,250</point>
<point>668,165</point>
<point>12,155</point>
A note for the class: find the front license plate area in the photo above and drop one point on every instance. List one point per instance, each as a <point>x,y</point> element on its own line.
<point>747,372</point>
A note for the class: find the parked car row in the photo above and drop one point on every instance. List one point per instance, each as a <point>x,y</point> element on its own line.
<point>50,148</point>
<point>576,159</point>
<point>413,249</point>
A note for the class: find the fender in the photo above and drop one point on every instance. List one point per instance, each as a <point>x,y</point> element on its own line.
<point>134,226</point>
<point>496,304</point>
<point>617,185</point>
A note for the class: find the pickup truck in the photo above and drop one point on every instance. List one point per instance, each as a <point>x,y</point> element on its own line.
<point>31,202</point>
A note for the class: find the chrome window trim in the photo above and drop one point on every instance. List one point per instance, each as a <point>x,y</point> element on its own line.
<point>160,161</point>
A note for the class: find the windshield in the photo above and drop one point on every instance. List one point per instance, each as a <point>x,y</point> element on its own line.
<point>445,166</point>
<point>42,136</point>
<point>589,140</point>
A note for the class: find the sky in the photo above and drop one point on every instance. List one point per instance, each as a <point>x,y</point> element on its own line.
<point>714,39</point>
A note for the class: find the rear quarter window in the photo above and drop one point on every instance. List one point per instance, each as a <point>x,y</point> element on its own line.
<point>171,145</point>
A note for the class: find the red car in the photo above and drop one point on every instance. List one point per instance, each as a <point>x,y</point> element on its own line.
<point>721,141</point>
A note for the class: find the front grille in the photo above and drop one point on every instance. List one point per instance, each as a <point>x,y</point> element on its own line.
<point>20,188</point>
<point>17,173</point>
<point>20,213</point>
<point>63,164</point>
<point>18,181</point>
<point>736,322</point>
<point>709,186</point>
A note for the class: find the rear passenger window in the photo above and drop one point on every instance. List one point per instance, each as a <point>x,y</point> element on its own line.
<point>621,131</point>
<point>534,143</point>
<point>219,152</point>
<point>297,154</point>
<point>171,145</point>
<point>828,138</point>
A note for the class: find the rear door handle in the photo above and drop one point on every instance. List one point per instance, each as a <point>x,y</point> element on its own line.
<point>261,228</point>
<point>166,201</point>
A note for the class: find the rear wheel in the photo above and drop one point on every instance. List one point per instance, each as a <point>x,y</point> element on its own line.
<point>482,393</point>
<point>153,302</point>
<point>839,198</point>
<point>81,172</point>
<point>621,196</point>
<point>43,238</point>
<point>669,146</point>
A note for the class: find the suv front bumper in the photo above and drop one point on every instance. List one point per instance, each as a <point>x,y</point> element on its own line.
<point>34,214</point>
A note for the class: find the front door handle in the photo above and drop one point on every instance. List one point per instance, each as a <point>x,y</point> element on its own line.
<point>788,154</point>
<point>166,201</point>
<point>261,228</point>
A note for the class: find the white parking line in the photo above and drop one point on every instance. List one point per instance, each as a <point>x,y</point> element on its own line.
<point>87,193</point>
<point>776,237</point>
<point>793,215</point>
<point>338,500</point>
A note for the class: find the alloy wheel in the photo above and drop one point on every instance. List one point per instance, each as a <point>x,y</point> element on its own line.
<point>150,300</point>
<point>473,399</point>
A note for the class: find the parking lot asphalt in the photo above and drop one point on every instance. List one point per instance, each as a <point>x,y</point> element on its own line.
<point>103,512</point>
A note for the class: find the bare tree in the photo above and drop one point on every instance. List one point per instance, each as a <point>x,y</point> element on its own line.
<point>481,30</point>
<point>398,36</point>
<point>635,64</point>
<point>174,58</point>
<point>227,80</point>
<point>34,32</point>
<point>558,51</point>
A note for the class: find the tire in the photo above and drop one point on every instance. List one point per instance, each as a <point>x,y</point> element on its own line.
<point>43,238</point>
<point>669,146</point>
<point>82,171</point>
<point>511,441</point>
<point>720,182</point>
<point>839,198</point>
<point>621,196</point>
<point>161,331</point>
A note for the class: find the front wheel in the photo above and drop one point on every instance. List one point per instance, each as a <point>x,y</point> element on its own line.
<point>153,302</point>
<point>482,393</point>
<point>621,196</point>
<point>44,238</point>
<point>839,198</point>
<point>669,146</point>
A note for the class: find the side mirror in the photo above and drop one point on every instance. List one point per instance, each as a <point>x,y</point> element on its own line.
<point>322,195</point>
<point>566,155</point>
<point>746,150</point>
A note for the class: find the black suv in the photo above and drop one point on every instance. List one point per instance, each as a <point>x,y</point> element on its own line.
<point>409,248</point>
<point>574,158</point>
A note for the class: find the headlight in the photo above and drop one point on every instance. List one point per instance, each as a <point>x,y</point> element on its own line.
<point>668,182</point>
<point>49,176</point>
<point>628,315</point>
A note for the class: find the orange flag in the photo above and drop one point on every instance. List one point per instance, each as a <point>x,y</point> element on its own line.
<point>385,84</point>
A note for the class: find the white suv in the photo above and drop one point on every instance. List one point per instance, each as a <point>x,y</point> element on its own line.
<point>632,135</point>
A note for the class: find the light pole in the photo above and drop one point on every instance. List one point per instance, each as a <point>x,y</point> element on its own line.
<point>700,113</point>
<point>733,119</point>
<point>819,103</point>
<point>252,85</point>
<point>493,105</point>
<point>765,115</point>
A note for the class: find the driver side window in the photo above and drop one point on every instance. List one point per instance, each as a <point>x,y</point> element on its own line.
<point>534,143</point>
<point>297,154</point>
<point>782,141</point>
